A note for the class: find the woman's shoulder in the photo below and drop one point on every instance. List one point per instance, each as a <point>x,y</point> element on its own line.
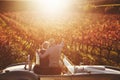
<point>42,51</point>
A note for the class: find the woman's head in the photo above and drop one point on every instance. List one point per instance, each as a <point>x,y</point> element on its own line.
<point>45,45</point>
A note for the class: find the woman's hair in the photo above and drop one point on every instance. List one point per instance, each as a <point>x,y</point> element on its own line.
<point>45,45</point>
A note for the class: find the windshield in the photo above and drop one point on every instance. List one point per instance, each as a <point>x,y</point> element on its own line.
<point>90,30</point>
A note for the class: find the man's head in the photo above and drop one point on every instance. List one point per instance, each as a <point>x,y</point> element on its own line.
<point>51,41</point>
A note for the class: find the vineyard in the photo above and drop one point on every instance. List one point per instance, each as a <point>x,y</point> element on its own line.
<point>90,38</point>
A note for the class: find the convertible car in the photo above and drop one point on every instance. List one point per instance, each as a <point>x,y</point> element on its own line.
<point>22,71</point>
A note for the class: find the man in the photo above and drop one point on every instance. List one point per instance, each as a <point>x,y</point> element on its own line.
<point>54,55</point>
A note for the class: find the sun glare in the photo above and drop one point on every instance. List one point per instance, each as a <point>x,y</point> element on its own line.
<point>54,7</point>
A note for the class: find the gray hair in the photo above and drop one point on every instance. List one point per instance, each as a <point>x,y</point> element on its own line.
<point>51,41</point>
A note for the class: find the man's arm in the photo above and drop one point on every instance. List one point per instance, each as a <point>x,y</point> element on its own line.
<point>61,44</point>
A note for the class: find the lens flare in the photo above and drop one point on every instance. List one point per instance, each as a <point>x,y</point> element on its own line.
<point>52,7</point>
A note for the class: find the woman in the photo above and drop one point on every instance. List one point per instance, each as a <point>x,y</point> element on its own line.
<point>42,64</point>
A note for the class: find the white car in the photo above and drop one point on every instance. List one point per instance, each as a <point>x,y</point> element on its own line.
<point>75,72</point>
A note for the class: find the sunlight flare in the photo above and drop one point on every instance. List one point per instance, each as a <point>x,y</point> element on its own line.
<point>52,7</point>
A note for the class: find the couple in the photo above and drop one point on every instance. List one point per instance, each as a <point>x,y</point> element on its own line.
<point>50,62</point>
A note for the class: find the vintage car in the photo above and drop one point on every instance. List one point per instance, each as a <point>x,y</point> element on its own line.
<point>22,71</point>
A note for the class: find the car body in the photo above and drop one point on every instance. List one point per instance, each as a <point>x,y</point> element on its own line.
<point>74,72</point>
